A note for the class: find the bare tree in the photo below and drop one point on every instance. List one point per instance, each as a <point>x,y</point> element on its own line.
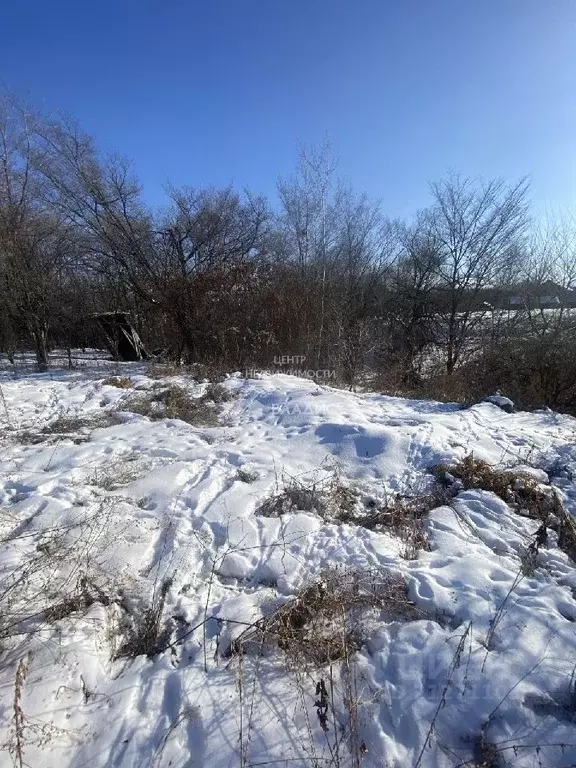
<point>410,301</point>
<point>37,244</point>
<point>477,228</point>
<point>365,246</point>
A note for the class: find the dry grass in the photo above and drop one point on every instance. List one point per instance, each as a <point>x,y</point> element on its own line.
<point>485,754</point>
<point>80,599</point>
<point>122,473</point>
<point>326,497</point>
<point>173,402</point>
<point>54,578</point>
<point>218,393</point>
<point>330,619</point>
<point>521,490</point>
<point>67,424</point>
<point>400,515</point>
<point>148,634</point>
<point>120,382</point>
<point>245,476</point>
<point>161,370</point>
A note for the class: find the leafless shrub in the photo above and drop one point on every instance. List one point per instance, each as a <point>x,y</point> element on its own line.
<point>438,385</point>
<point>148,634</point>
<point>120,382</point>
<point>328,620</point>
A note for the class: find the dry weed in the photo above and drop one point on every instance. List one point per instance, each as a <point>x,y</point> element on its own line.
<point>245,476</point>
<point>71,423</point>
<point>120,382</point>
<point>54,578</point>
<point>80,599</point>
<point>218,393</point>
<point>485,753</point>
<point>326,496</point>
<point>173,402</point>
<point>523,493</point>
<point>328,620</point>
<point>116,477</point>
<point>521,490</point>
<point>148,634</point>
<point>399,515</point>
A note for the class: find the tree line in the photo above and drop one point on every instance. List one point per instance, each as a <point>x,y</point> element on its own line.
<point>225,278</point>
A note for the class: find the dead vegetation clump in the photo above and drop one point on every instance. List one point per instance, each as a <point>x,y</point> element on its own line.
<point>524,492</point>
<point>485,754</point>
<point>400,515</point>
<point>56,577</point>
<point>148,633</point>
<point>246,476</point>
<point>296,496</point>
<point>162,368</point>
<point>85,594</point>
<point>68,424</point>
<point>65,425</point>
<point>330,619</point>
<point>122,473</point>
<point>173,402</point>
<point>397,514</point>
<point>218,393</point>
<point>324,494</point>
<point>566,529</point>
<point>120,382</point>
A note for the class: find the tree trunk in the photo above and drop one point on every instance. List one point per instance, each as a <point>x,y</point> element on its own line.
<point>40,337</point>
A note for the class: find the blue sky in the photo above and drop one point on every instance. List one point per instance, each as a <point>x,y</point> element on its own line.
<point>220,91</point>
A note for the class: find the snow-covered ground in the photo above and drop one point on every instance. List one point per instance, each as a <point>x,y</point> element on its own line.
<point>100,524</point>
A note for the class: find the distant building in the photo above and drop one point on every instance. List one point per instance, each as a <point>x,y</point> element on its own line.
<point>546,295</point>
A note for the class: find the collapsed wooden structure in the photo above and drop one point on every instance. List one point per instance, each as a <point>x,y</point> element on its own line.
<point>121,338</point>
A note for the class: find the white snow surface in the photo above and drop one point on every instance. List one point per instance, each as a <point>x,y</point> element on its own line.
<point>426,689</point>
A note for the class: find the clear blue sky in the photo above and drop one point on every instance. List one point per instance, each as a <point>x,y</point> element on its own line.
<point>220,91</point>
